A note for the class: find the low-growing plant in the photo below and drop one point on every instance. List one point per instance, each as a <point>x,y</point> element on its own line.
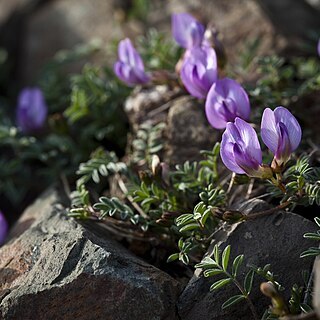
<point>185,206</point>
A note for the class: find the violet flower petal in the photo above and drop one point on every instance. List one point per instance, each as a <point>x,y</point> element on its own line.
<point>186,30</point>
<point>199,71</point>
<point>282,115</point>
<point>269,132</point>
<point>3,228</point>
<point>129,55</point>
<point>225,101</point>
<point>240,149</point>
<point>250,140</point>
<point>229,138</point>
<point>284,146</point>
<point>31,110</point>
<point>249,165</point>
<point>281,132</point>
<point>129,68</point>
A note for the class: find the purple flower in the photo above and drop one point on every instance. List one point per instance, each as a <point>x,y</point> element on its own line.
<point>240,150</point>
<point>281,133</point>
<point>226,100</point>
<point>3,228</point>
<point>31,110</point>
<point>129,68</point>
<point>199,71</point>
<point>186,30</point>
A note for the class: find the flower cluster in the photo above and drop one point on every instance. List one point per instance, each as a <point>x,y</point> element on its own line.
<point>198,69</point>
<point>227,104</point>
<point>240,147</point>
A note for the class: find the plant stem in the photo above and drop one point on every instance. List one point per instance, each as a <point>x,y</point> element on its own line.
<point>251,306</point>
<point>124,189</point>
<point>266,212</point>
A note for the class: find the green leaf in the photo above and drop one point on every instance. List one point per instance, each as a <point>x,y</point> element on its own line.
<point>185,259</point>
<point>305,308</point>
<point>219,284</point>
<point>248,281</point>
<point>144,188</point>
<point>310,252</point>
<point>216,253</point>
<point>189,227</point>
<point>173,257</point>
<point>225,257</point>
<point>212,272</point>
<point>206,262</point>
<point>236,264</point>
<point>317,221</point>
<point>205,216</point>
<point>313,236</point>
<point>233,300</point>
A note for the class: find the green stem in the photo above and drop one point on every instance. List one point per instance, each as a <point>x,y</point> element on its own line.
<point>244,293</point>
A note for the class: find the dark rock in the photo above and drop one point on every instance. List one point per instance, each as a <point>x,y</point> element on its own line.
<point>276,239</point>
<point>301,11</point>
<point>64,24</point>
<point>316,291</point>
<point>57,269</point>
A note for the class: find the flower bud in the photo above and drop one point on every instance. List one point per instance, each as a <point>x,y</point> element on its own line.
<point>281,133</point>
<point>186,30</point>
<point>199,71</point>
<point>31,110</point>
<point>129,68</point>
<point>268,289</point>
<point>279,306</point>
<point>240,150</point>
<point>226,100</point>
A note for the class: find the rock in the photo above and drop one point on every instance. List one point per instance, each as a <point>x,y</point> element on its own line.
<point>150,104</point>
<point>316,290</point>
<point>187,128</point>
<point>188,131</point>
<point>64,24</point>
<point>276,239</point>
<point>7,8</point>
<point>302,11</point>
<point>238,21</point>
<point>57,269</point>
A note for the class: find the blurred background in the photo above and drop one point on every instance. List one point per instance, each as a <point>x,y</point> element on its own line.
<point>32,31</point>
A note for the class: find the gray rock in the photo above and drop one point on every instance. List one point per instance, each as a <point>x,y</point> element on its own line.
<point>57,269</point>
<point>276,239</point>
<point>188,131</point>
